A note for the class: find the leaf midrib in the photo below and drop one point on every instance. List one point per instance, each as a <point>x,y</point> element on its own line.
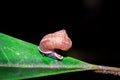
<point>61,67</point>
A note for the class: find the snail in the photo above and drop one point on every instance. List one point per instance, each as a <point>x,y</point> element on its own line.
<point>56,40</point>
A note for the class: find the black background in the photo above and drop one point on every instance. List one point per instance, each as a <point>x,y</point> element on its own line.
<point>93,26</point>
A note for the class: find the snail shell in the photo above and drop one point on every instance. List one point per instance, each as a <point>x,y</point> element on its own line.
<point>56,40</point>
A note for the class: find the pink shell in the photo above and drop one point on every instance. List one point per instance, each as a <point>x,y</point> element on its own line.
<point>56,40</point>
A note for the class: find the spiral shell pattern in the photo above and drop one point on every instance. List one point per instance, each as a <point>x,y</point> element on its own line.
<point>56,40</point>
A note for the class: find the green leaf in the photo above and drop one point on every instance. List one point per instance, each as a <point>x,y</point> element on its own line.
<point>20,60</point>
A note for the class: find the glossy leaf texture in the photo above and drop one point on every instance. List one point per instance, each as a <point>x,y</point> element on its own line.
<point>20,60</point>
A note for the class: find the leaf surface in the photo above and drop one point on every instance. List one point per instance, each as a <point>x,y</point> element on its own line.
<point>20,59</point>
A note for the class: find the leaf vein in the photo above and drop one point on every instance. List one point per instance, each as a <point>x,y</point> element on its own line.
<point>5,55</point>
